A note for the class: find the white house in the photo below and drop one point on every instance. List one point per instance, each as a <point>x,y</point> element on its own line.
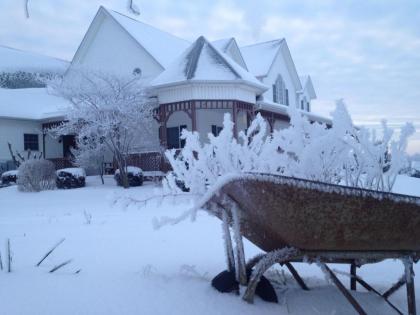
<point>25,105</point>
<point>195,83</point>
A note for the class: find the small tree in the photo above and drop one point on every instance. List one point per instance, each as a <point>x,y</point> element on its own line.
<point>90,154</point>
<point>108,111</point>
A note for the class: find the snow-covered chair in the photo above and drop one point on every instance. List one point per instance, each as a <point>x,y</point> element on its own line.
<point>295,220</point>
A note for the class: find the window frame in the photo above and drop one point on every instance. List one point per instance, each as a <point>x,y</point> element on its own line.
<point>30,144</point>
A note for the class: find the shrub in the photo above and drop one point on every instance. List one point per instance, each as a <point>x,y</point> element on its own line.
<point>9,177</point>
<point>36,175</point>
<point>68,178</point>
<point>134,174</point>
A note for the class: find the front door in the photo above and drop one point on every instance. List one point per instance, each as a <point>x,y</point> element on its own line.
<point>69,142</point>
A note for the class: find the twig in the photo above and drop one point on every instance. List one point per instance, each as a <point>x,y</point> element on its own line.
<point>50,251</point>
<point>1,262</point>
<point>60,265</point>
<point>9,257</point>
<point>27,8</point>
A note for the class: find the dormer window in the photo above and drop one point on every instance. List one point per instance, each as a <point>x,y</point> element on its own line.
<point>137,72</point>
<point>280,93</point>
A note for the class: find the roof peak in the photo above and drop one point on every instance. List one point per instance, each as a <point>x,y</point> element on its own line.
<point>144,23</point>
<point>279,40</point>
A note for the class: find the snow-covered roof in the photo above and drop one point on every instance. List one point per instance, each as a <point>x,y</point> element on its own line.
<point>202,61</point>
<point>33,104</point>
<point>283,110</point>
<point>307,85</point>
<point>259,57</point>
<point>164,47</point>
<point>222,44</point>
<point>12,60</point>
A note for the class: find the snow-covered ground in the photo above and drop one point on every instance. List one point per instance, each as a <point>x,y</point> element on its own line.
<point>127,267</point>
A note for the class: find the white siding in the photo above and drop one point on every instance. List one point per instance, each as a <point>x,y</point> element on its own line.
<point>12,131</point>
<point>178,119</point>
<point>108,47</point>
<point>53,148</point>
<point>280,124</point>
<point>206,92</point>
<point>280,67</point>
<point>208,117</point>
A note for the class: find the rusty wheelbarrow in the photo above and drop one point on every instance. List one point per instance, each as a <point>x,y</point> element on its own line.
<point>295,220</point>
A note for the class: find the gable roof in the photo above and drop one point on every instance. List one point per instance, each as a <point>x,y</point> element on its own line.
<point>202,61</point>
<point>260,58</point>
<point>31,104</point>
<point>230,47</point>
<point>164,47</point>
<point>307,85</point>
<point>12,60</point>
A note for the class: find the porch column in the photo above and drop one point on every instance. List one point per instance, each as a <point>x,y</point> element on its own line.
<point>235,122</point>
<point>194,115</point>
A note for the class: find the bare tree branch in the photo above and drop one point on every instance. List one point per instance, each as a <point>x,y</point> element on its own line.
<point>26,5</point>
<point>133,8</point>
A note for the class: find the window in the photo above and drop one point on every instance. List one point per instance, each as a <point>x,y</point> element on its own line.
<point>280,93</point>
<point>308,106</point>
<point>173,138</point>
<point>30,142</point>
<point>301,105</point>
<point>215,130</point>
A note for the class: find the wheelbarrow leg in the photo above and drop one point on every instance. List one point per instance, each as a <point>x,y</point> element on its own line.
<point>228,241</point>
<point>409,283</point>
<point>343,290</point>
<point>297,277</point>
<point>353,274</point>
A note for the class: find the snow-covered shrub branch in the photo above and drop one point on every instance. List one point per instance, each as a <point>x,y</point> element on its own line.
<point>339,154</point>
<point>107,112</point>
<point>36,175</point>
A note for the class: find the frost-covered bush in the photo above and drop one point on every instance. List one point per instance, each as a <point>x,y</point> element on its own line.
<point>134,174</point>
<point>36,175</point>
<point>338,154</point>
<point>68,178</point>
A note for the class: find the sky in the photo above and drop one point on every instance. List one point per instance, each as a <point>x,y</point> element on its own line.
<point>364,51</point>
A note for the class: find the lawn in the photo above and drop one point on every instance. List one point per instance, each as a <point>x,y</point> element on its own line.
<point>121,265</point>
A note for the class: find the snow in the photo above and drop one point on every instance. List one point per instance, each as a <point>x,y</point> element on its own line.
<point>127,267</point>
<point>407,185</point>
<point>75,171</point>
<point>12,60</point>
<point>210,64</point>
<point>283,109</point>
<point>259,57</point>
<point>33,103</point>
<point>164,47</point>
<point>222,44</point>
<point>132,169</point>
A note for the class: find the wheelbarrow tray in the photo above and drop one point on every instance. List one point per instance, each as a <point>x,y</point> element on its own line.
<point>278,211</point>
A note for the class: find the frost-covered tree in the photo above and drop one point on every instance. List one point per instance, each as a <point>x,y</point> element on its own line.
<point>110,110</point>
<point>90,154</point>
